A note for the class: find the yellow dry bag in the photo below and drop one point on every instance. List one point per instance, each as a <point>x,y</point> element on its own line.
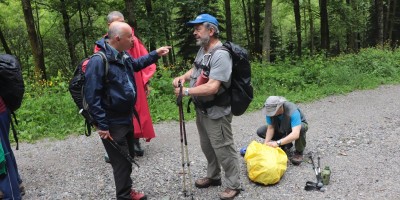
<point>265,164</point>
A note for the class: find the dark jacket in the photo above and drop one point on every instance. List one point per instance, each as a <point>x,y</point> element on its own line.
<point>111,99</point>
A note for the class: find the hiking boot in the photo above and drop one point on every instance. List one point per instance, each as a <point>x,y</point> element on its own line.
<point>22,189</point>
<point>137,148</point>
<point>229,193</point>
<point>207,182</point>
<point>137,195</point>
<point>297,158</point>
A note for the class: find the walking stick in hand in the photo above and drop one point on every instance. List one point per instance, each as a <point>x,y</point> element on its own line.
<point>184,149</point>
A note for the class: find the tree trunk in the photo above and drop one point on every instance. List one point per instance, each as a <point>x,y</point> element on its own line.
<point>67,33</point>
<point>324,25</point>
<point>266,50</point>
<point>36,46</point>
<point>296,7</point>
<point>249,13</point>
<point>82,29</point>
<point>257,22</point>
<point>305,20</point>
<point>386,20</point>
<point>350,34</point>
<point>392,19</point>
<point>130,13</point>
<point>379,14</point>
<point>310,13</point>
<point>246,24</point>
<point>168,60</point>
<point>150,17</point>
<point>4,43</point>
<point>228,20</point>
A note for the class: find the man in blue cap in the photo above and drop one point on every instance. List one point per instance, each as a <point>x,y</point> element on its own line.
<point>210,76</point>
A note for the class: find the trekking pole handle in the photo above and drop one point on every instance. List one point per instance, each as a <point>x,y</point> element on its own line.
<point>179,98</point>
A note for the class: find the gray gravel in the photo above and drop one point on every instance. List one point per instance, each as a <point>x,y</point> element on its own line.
<point>357,135</point>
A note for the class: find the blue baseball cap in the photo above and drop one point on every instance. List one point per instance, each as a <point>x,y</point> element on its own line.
<point>203,18</point>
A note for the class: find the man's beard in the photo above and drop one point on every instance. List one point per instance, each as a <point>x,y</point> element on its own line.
<point>203,41</point>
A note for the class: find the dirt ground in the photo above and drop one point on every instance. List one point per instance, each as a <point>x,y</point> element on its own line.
<point>356,135</point>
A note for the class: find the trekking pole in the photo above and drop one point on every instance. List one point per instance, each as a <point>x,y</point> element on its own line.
<point>319,183</point>
<point>311,185</point>
<point>118,148</point>
<point>184,149</point>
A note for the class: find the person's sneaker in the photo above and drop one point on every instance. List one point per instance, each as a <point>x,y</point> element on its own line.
<point>106,158</point>
<point>139,153</point>
<point>207,182</point>
<point>22,189</point>
<point>297,158</point>
<point>137,195</point>
<point>137,148</point>
<point>229,193</point>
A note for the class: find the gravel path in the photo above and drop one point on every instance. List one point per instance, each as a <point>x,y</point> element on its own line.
<point>356,135</point>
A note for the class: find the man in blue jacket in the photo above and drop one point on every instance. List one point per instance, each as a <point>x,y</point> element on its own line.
<point>111,99</point>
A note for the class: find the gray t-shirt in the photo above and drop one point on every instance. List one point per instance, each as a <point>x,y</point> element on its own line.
<point>221,70</point>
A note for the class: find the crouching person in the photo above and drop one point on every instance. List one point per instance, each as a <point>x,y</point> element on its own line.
<point>285,124</point>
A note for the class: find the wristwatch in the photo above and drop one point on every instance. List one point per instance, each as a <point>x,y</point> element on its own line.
<point>279,142</point>
<point>186,92</point>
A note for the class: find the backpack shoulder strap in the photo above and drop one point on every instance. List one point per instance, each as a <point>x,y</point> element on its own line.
<point>105,61</point>
<point>223,47</point>
<point>105,79</point>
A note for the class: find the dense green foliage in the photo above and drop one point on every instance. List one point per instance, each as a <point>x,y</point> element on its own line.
<point>48,109</point>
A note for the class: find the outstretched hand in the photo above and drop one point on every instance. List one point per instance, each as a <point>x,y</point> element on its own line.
<point>162,51</point>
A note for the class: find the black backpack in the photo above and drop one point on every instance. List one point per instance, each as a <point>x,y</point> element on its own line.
<point>240,94</point>
<point>12,87</point>
<point>76,88</point>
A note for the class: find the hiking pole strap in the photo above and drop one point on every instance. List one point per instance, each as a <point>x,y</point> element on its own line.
<point>118,148</point>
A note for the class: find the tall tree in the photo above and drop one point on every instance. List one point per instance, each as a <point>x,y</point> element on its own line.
<point>150,16</point>
<point>325,43</point>
<point>379,13</point>
<point>257,22</point>
<point>4,42</point>
<point>266,51</point>
<point>228,19</point>
<point>83,32</point>
<point>36,46</point>
<point>130,9</point>
<point>246,23</point>
<point>296,8</point>
<point>251,29</point>
<point>351,33</point>
<point>67,32</point>
<point>311,21</point>
<point>393,21</point>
